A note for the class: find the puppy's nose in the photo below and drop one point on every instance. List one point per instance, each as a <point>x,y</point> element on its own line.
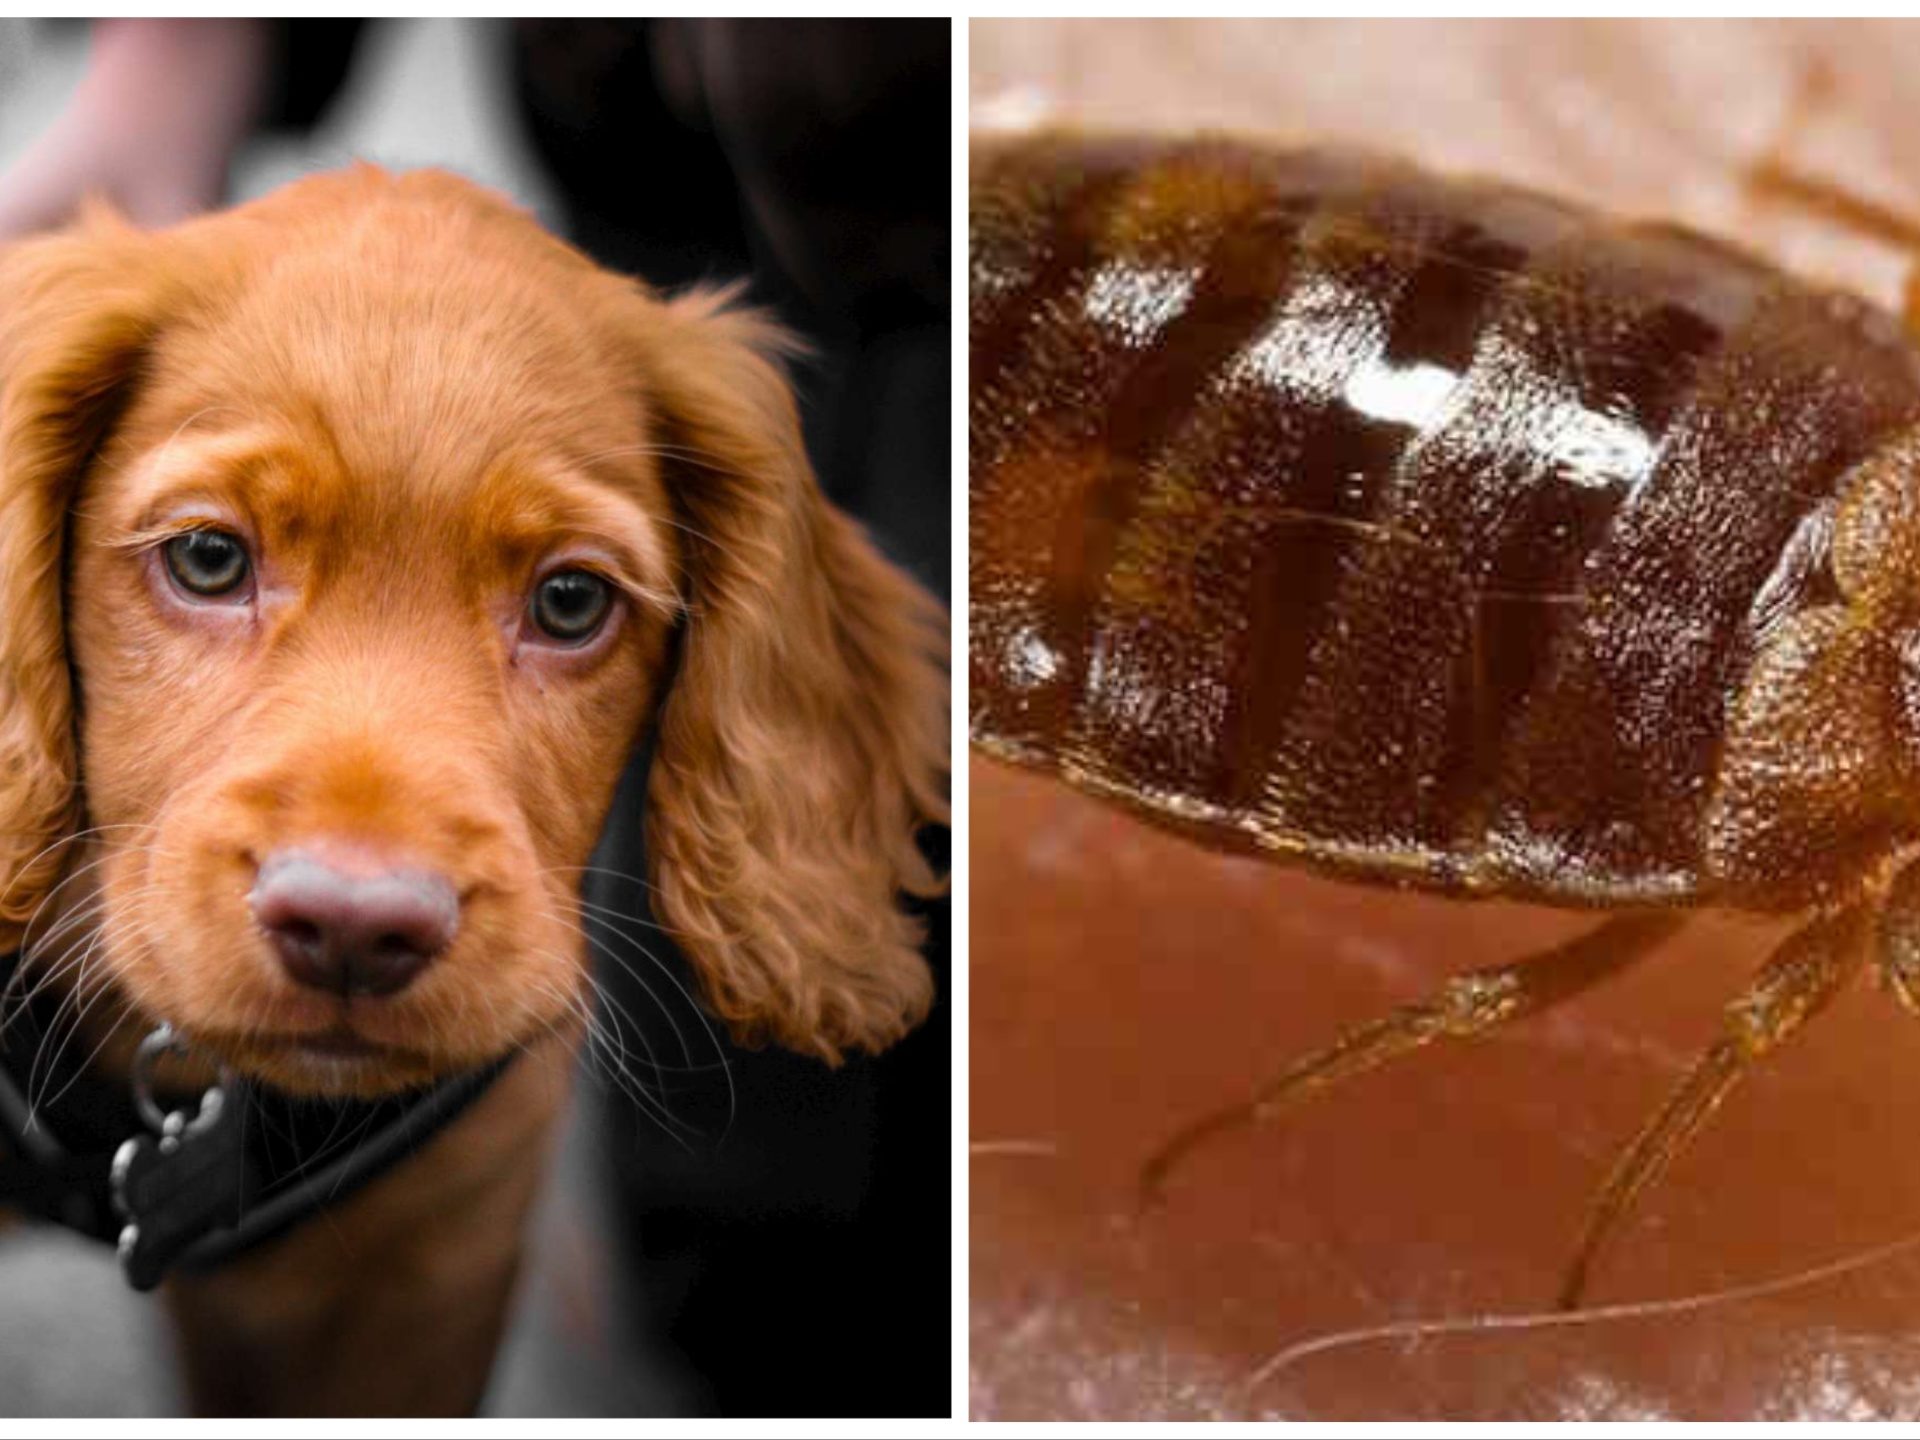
<point>350,928</point>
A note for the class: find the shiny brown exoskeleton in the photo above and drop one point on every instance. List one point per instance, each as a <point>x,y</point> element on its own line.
<point>1440,534</point>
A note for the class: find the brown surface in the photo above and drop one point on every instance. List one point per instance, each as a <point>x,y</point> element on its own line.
<point>1126,981</point>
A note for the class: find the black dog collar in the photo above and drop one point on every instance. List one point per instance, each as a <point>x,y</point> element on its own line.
<point>196,1185</point>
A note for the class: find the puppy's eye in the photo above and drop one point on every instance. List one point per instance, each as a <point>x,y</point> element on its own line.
<point>207,562</point>
<point>569,605</point>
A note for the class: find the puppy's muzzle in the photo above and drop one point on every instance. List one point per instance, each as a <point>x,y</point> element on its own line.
<point>350,923</point>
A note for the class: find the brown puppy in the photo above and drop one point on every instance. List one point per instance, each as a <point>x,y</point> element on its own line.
<point>341,540</point>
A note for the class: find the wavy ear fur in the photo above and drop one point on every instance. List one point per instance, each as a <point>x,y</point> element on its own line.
<point>805,739</point>
<point>76,312</point>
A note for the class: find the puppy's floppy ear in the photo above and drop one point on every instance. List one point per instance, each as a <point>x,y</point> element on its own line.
<point>805,738</point>
<point>76,312</point>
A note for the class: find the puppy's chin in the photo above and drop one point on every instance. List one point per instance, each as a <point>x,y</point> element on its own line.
<point>327,1065</point>
<point>364,1050</point>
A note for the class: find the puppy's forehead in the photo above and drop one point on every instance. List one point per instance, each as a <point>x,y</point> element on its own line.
<point>419,321</point>
<point>398,354</point>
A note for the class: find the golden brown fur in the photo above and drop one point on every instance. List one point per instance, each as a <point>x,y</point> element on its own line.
<point>404,396</point>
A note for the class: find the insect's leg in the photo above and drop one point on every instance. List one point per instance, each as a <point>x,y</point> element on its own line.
<point>1773,179</point>
<point>1797,981</point>
<point>1899,955</point>
<point>1465,1006</point>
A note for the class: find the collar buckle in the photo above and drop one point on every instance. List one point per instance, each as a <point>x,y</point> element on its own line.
<point>187,1178</point>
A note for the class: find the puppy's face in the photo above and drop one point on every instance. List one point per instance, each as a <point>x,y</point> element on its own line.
<point>367,598</point>
<point>341,540</point>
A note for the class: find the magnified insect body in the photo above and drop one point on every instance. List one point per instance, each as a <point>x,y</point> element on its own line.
<point>1436,533</point>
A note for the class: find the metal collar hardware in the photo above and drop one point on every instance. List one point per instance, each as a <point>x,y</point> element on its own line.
<point>192,1186</point>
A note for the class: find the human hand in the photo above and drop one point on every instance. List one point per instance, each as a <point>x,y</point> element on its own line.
<point>151,127</point>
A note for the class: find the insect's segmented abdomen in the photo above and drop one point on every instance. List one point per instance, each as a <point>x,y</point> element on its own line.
<point>1406,524</point>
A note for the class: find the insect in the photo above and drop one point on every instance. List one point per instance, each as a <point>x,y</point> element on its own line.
<point>1439,534</point>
